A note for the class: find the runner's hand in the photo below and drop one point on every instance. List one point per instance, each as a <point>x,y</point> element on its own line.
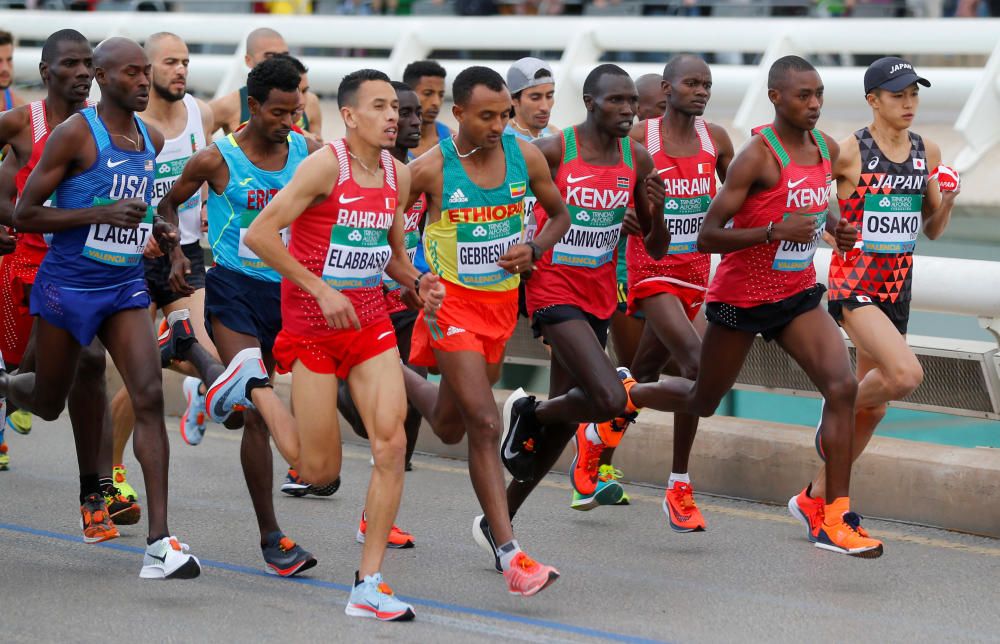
<point>431,292</point>
<point>517,260</point>
<point>127,213</point>
<point>797,227</point>
<point>7,242</point>
<point>630,225</point>
<point>152,249</point>
<point>656,192</point>
<point>180,268</point>
<point>846,235</point>
<point>166,235</point>
<point>410,298</point>
<point>338,310</point>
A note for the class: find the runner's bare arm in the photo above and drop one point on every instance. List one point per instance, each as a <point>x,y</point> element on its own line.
<point>315,114</point>
<point>225,110</point>
<point>847,167</point>
<point>8,190</point>
<point>69,147</point>
<point>155,136</point>
<point>205,167</point>
<point>938,203</point>
<point>724,151</point>
<point>13,123</point>
<point>638,132</point>
<point>426,177</point>
<point>649,197</point>
<point>551,147</point>
<point>839,233</point>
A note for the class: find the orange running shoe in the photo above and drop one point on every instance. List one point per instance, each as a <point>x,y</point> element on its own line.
<point>398,539</point>
<point>809,511</point>
<point>587,461</point>
<point>845,534</point>
<point>95,520</point>
<point>121,510</point>
<point>682,513</point>
<point>527,577</point>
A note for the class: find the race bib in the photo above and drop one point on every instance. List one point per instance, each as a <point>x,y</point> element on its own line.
<point>247,257</point>
<point>591,239</point>
<point>356,257</point>
<point>793,256</point>
<point>412,239</point>
<point>891,223</point>
<point>480,247</point>
<point>684,217</point>
<point>115,245</point>
<point>530,223</point>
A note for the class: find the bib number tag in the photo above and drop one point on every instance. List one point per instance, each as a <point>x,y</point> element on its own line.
<point>481,245</point>
<point>591,239</point>
<point>684,218</point>
<point>412,241</point>
<point>793,256</point>
<point>530,223</point>
<point>891,223</point>
<point>356,257</point>
<point>247,257</point>
<point>115,245</point>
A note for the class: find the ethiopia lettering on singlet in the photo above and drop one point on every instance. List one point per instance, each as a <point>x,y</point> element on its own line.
<point>484,235</point>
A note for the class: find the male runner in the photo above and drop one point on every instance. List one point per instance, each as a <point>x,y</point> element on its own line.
<point>571,295</point>
<point>100,165</point>
<point>688,152</point>
<point>184,121</point>
<point>472,240</point>
<point>10,98</point>
<point>67,71</point>
<point>242,294</point>
<point>233,109</point>
<point>426,77</point>
<point>776,194</point>
<point>652,96</point>
<point>532,91</point>
<point>346,219</point>
<point>885,183</point>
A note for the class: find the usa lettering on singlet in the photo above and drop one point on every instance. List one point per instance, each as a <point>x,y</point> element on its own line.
<point>477,225</point>
<point>248,191</point>
<point>170,163</point>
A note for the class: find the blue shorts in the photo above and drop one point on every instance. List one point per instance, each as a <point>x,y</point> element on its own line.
<point>243,304</point>
<point>82,312</point>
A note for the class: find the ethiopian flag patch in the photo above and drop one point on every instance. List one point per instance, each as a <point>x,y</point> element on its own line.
<point>517,190</point>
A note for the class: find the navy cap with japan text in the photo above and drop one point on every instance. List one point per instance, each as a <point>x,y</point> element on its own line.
<point>892,74</point>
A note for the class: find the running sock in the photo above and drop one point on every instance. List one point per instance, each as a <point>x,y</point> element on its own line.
<point>833,513</point>
<point>678,478</point>
<point>186,337</point>
<point>89,484</point>
<point>150,541</point>
<point>592,434</point>
<point>507,552</point>
<point>107,486</point>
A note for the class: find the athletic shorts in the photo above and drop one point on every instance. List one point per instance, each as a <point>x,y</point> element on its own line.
<point>897,312</point>
<point>565,312</point>
<point>334,353</point>
<point>623,302</point>
<point>158,275</point>
<point>468,320</point>
<point>15,313</point>
<point>691,298</point>
<point>769,320</point>
<point>243,304</point>
<point>403,323</point>
<point>82,312</point>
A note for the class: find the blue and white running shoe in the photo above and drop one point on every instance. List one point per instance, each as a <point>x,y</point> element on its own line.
<point>229,391</point>
<point>194,418</point>
<point>372,597</point>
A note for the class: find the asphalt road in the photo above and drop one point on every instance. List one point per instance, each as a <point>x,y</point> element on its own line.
<point>626,576</point>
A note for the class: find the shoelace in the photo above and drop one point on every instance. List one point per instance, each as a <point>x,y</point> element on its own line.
<point>384,589</point>
<point>609,473</point>
<point>683,495</point>
<point>524,562</point>
<point>286,544</point>
<point>178,546</point>
<point>853,521</point>
<point>592,456</point>
<point>621,423</point>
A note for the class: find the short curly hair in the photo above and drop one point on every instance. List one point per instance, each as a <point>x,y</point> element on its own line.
<point>277,72</point>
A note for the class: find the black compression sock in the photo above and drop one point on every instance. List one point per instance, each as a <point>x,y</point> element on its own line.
<point>89,484</point>
<point>107,485</point>
<point>150,541</point>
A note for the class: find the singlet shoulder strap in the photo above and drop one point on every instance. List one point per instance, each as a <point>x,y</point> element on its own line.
<point>570,151</point>
<point>772,141</point>
<point>344,161</point>
<point>39,127</point>
<point>653,142</point>
<point>701,128</point>
<point>389,168</point>
<point>824,151</point>
<point>145,135</point>
<point>244,106</point>
<point>101,136</point>
<point>626,144</point>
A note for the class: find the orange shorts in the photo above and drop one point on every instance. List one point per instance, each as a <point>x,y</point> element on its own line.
<point>334,353</point>
<point>691,298</point>
<point>468,320</point>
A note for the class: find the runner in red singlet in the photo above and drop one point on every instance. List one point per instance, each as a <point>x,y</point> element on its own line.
<point>346,213</point>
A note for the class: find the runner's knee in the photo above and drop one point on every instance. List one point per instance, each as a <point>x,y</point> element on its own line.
<point>841,391</point>
<point>48,406</point>
<point>147,399</point>
<point>92,364</point>
<point>390,451</point>
<point>904,380</point>
<point>608,401</point>
<point>318,469</point>
<point>484,428</point>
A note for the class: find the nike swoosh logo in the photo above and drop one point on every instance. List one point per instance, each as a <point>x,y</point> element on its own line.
<point>792,184</point>
<point>666,169</point>
<point>506,448</point>
<point>347,200</point>
<point>115,164</point>
<point>246,181</point>
<point>162,559</point>
<point>571,179</point>
<point>383,335</point>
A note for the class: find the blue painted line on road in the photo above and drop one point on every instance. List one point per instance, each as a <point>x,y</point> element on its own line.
<point>419,601</point>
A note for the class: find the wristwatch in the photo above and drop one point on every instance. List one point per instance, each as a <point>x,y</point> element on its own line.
<point>536,251</point>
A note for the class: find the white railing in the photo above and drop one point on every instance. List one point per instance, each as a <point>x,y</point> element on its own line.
<point>972,91</point>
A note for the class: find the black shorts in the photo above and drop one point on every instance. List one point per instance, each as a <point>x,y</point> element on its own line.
<point>565,312</point>
<point>402,324</point>
<point>897,312</point>
<point>158,275</point>
<point>243,304</point>
<point>769,320</point>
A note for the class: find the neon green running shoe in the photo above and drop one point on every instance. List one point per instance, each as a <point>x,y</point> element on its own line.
<point>612,473</point>
<point>4,458</point>
<point>607,492</point>
<point>20,421</point>
<point>124,488</point>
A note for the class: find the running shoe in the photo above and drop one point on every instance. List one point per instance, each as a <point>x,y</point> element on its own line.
<point>607,472</point>
<point>809,511</point>
<point>229,391</point>
<point>482,536</point>
<point>95,520</point>
<point>122,511</point>
<point>520,437</point>
<point>176,337</point>
<point>625,500</point>
<point>372,597</point>
<point>587,462</point>
<point>527,577</point>
<point>284,557</point>
<point>679,506</point>
<point>20,421</point>
<point>4,456</point>
<point>847,537</point>
<point>126,490</point>
<point>628,381</point>
<point>193,418</point>
<point>295,486</point>
<point>398,539</point>
<point>168,558</point>
<point>605,493</point>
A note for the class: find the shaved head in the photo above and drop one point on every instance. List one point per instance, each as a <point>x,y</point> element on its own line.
<point>263,43</point>
<point>681,63</point>
<point>157,40</point>
<point>116,52</point>
<point>648,83</point>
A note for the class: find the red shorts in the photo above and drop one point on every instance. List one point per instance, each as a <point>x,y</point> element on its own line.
<point>691,298</point>
<point>17,270</point>
<point>468,320</point>
<point>334,353</point>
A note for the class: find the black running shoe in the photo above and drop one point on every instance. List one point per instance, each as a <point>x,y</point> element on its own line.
<point>176,339</point>
<point>519,447</point>
<point>481,533</point>
<point>295,486</point>
<point>284,557</point>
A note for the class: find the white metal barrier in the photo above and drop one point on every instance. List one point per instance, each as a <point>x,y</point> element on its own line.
<point>973,91</point>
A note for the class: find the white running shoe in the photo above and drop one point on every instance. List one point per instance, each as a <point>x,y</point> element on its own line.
<point>168,558</point>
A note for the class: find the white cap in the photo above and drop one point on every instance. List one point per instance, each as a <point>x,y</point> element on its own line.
<point>525,73</point>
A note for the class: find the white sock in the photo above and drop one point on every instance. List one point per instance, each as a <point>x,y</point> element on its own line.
<point>592,434</point>
<point>179,314</point>
<point>507,552</point>
<point>678,478</point>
